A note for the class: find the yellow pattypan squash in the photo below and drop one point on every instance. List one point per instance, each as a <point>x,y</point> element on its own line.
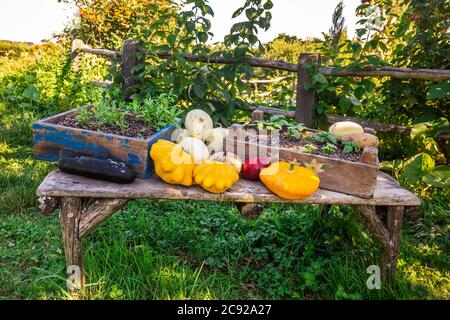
<point>215,176</point>
<point>289,181</point>
<point>172,164</point>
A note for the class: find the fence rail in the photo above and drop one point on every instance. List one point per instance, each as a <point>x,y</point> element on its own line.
<point>305,100</point>
<point>398,73</point>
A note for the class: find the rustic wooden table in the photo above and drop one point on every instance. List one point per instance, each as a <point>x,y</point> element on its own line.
<point>85,203</point>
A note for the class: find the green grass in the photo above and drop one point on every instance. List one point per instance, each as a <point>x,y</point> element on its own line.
<point>198,250</point>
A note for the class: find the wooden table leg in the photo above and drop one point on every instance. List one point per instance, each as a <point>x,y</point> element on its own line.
<point>70,216</point>
<point>96,211</point>
<point>394,223</point>
<point>78,219</point>
<point>387,232</point>
<point>249,210</point>
<point>324,209</point>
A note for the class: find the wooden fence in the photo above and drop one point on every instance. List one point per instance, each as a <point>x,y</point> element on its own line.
<point>305,99</point>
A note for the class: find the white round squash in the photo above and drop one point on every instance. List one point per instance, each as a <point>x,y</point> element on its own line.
<point>197,122</point>
<point>196,148</point>
<point>214,139</point>
<point>345,128</point>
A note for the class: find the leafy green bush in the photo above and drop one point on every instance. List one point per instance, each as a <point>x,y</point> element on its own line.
<point>106,24</point>
<point>45,83</point>
<point>412,33</point>
<point>13,49</point>
<point>289,48</point>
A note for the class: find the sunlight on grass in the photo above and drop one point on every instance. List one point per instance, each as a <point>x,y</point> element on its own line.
<point>429,280</point>
<point>6,148</point>
<point>19,179</point>
<point>141,273</point>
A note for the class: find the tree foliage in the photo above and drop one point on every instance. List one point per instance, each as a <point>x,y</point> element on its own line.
<point>107,23</point>
<point>399,33</point>
<point>338,24</point>
<point>214,88</point>
<point>288,48</point>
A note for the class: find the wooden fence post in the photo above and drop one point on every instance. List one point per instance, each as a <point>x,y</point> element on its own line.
<point>304,112</point>
<point>77,44</point>
<point>130,59</point>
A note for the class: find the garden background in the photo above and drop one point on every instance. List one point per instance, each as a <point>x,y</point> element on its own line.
<point>200,250</point>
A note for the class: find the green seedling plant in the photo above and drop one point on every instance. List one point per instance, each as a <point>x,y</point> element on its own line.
<point>295,130</point>
<point>325,137</point>
<point>84,116</point>
<point>110,115</point>
<point>278,122</point>
<point>157,111</point>
<point>329,148</point>
<point>350,146</point>
<point>308,148</point>
<point>105,113</point>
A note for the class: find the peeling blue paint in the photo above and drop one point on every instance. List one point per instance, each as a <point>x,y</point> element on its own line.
<point>125,143</point>
<point>164,133</point>
<point>70,140</point>
<point>133,159</point>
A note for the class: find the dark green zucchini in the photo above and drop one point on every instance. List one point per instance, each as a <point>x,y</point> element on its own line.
<point>108,170</point>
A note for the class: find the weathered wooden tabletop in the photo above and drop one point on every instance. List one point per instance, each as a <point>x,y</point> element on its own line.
<point>59,184</point>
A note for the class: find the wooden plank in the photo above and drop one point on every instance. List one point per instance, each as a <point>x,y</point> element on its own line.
<point>130,59</point>
<point>101,84</point>
<point>388,234</point>
<point>59,184</point>
<point>393,72</point>
<point>102,52</point>
<point>77,44</point>
<point>304,113</point>
<point>270,110</point>
<point>255,62</point>
<point>256,81</point>
<point>257,115</point>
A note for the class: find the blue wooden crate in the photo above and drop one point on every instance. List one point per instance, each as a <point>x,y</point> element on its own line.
<point>49,139</point>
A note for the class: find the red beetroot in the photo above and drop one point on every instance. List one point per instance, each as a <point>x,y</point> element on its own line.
<point>253,166</point>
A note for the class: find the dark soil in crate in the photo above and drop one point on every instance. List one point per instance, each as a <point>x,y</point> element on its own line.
<point>135,128</point>
<point>293,143</point>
